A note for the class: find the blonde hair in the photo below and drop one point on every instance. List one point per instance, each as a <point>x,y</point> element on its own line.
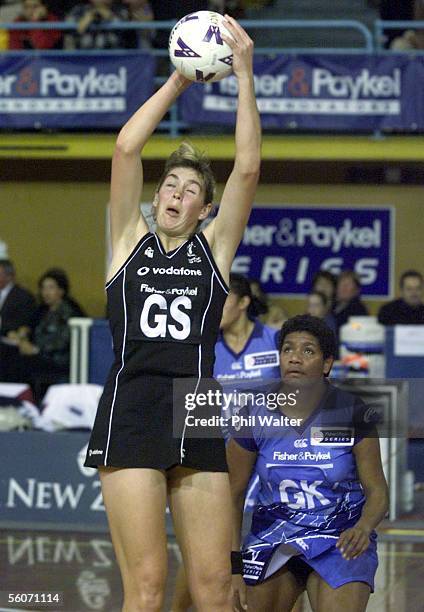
<point>188,156</point>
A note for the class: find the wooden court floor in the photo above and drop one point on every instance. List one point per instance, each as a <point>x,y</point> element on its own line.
<point>83,568</point>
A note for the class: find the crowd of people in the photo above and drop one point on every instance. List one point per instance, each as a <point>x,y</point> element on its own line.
<point>86,14</point>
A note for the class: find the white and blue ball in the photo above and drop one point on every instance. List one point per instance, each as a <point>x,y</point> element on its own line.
<point>197,49</point>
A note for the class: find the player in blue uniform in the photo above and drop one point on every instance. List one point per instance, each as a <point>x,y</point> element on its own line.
<point>246,349</point>
<point>322,490</point>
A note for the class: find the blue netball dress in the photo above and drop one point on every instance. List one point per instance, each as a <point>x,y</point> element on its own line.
<point>258,361</point>
<point>309,490</point>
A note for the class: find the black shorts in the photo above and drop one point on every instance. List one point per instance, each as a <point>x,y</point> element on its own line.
<point>135,427</point>
<point>300,570</point>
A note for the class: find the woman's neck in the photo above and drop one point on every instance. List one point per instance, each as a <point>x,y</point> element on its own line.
<point>170,243</point>
<point>237,335</point>
<point>307,399</point>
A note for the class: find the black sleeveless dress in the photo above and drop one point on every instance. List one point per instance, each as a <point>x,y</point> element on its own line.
<point>164,311</point>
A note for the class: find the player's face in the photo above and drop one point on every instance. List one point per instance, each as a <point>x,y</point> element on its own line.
<point>301,359</point>
<point>232,311</point>
<point>412,291</point>
<point>51,293</point>
<point>179,202</point>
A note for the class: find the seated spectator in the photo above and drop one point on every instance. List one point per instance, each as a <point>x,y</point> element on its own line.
<point>17,308</point>
<point>319,306</point>
<point>348,302</point>
<point>140,10</point>
<point>64,279</point>
<point>414,38</point>
<point>34,11</point>
<point>276,315</point>
<point>17,305</point>
<point>409,308</point>
<point>95,13</point>
<point>326,283</point>
<point>393,10</point>
<point>44,352</point>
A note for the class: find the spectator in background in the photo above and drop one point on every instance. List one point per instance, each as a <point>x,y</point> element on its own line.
<point>61,7</point>
<point>319,306</point>
<point>348,302</point>
<point>140,10</point>
<point>95,13</point>
<point>414,38</point>
<point>276,315</point>
<point>326,283</point>
<point>394,10</point>
<point>34,11</point>
<point>409,308</point>
<point>17,305</point>
<point>44,350</point>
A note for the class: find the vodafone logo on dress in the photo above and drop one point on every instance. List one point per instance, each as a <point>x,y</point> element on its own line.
<point>171,271</point>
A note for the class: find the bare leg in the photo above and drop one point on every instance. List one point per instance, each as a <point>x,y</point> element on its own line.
<point>279,592</point>
<point>351,597</point>
<point>201,509</point>
<point>181,600</point>
<point>135,500</point>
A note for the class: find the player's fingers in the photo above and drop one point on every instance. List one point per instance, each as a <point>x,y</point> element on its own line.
<point>344,539</point>
<point>235,28</point>
<point>361,548</point>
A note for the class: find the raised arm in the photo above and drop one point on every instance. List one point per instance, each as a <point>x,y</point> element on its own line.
<point>127,223</point>
<point>225,232</point>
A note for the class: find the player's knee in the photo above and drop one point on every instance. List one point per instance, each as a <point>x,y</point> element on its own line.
<point>146,589</point>
<point>212,587</point>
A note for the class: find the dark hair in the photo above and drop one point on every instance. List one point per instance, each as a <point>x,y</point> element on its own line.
<point>352,275</point>
<point>314,326</point>
<point>240,285</point>
<point>327,275</point>
<point>410,273</point>
<point>321,295</point>
<point>187,156</point>
<point>8,266</point>
<point>59,276</point>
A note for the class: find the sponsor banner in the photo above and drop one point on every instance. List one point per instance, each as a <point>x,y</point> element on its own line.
<point>345,92</point>
<point>284,247</point>
<point>44,484</point>
<point>61,91</point>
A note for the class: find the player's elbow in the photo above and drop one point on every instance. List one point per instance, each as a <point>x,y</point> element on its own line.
<point>125,145</point>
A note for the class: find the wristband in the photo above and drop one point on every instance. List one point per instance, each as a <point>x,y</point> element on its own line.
<point>236,562</point>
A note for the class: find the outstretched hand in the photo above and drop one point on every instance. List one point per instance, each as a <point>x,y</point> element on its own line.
<point>241,45</point>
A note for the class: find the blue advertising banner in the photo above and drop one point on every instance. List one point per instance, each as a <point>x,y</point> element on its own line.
<point>44,484</point>
<point>73,91</point>
<point>321,92</point>
<point>284,247</point>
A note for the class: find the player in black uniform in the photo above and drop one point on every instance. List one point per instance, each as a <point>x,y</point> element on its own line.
<point>166,291</point>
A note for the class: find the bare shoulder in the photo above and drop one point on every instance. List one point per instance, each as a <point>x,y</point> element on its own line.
<point>123,248</point>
